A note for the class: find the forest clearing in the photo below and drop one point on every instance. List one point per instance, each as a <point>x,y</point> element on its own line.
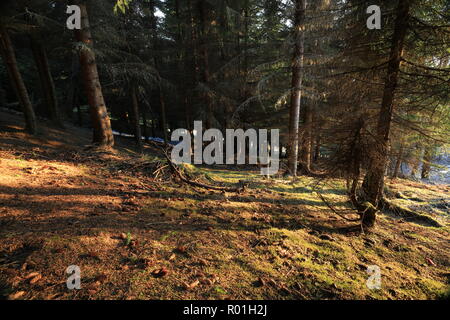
<point>245,150</point>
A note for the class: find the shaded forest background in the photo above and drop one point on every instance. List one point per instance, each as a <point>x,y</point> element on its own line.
<point>350,101</point>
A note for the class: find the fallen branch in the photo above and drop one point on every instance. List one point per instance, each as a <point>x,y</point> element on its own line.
<point>181,176</point>
<point>334,210</point>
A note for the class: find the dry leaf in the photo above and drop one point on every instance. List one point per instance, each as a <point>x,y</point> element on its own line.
<point>101,278</point>
<point>272,282</point>
<point>431,262</point>
<point>94,285</point>
<point>32,275</point>
<point>202,262</point>
<point>35,279</point>
<point>192,285</point>
<point>206,282</point>
<point>261,282</point>
<point>181,249</point>
<point>159,273</point>
<point>16,295</point>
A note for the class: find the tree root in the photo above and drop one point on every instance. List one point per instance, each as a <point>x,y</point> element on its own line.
<point>409,214</point>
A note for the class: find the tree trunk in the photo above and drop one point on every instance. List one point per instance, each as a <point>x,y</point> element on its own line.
<point>296,87</point>
<point>398,163</point>
<point>316,154</point>
<point>136,118</point>
<point>306,149</point>
<point>205,58</point>
<point>9,57</point>
<point>375,176</point>
<point>79,115</point>
<point>72,91</point>
<point>101,123</point>
<point>145,127</point>
<point>46,79</point>
<point>426,163</point>
<point>154,26</point>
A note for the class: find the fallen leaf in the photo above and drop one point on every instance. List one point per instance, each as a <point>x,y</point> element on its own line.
<point>272,282</point>
<point>261,282</point>
<point>181,249</point>
<point>101,278</point>
<point>32,275</point>
<point>431,262</point>
<point>202,262</point>
<point>35,279</point>
<point>159,273</point>
<point>16,295</point>
<point>206,282</point>
<point>192,285</point>
<point>93,286</point>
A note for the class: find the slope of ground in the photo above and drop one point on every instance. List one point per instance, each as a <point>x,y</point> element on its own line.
<point>135,236</point>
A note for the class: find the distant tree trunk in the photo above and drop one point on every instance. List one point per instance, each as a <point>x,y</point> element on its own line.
<point>398,163</point>
<point>246,44</point>
<point>306,149</point>
<point>101,123</point>
<point>153,128</point>
<point>426,163</point>
<point>163,113</point>
<point>374,183</point>
<point>316,154</point>
<point>187,112</point>
<point>46,79</point>
<point>136,118</point>
<point>296,87</point>
<point>72,91</point>
<point>154,27</point>
<point>145,127</point>
<point>204,54</point>
<point>9,57</point>
<point>414,167</point>
<point>79,115</point>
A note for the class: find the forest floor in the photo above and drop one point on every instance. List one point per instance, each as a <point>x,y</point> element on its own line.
<point>136,235</point>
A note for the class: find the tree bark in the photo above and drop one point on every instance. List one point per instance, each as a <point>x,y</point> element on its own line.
<point>426,163</point>
<point>374,183</point>
<point>9,57</point>
<point>398,163</point>
<point>306,149</point>
<point>136,117</point>
<point>101,123</point>
<point>204,54</point>
<point>46,79</point>
<point>72,91</point>
<point>145,127</point>
<point>154,26</point>
<point>297,79</point>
